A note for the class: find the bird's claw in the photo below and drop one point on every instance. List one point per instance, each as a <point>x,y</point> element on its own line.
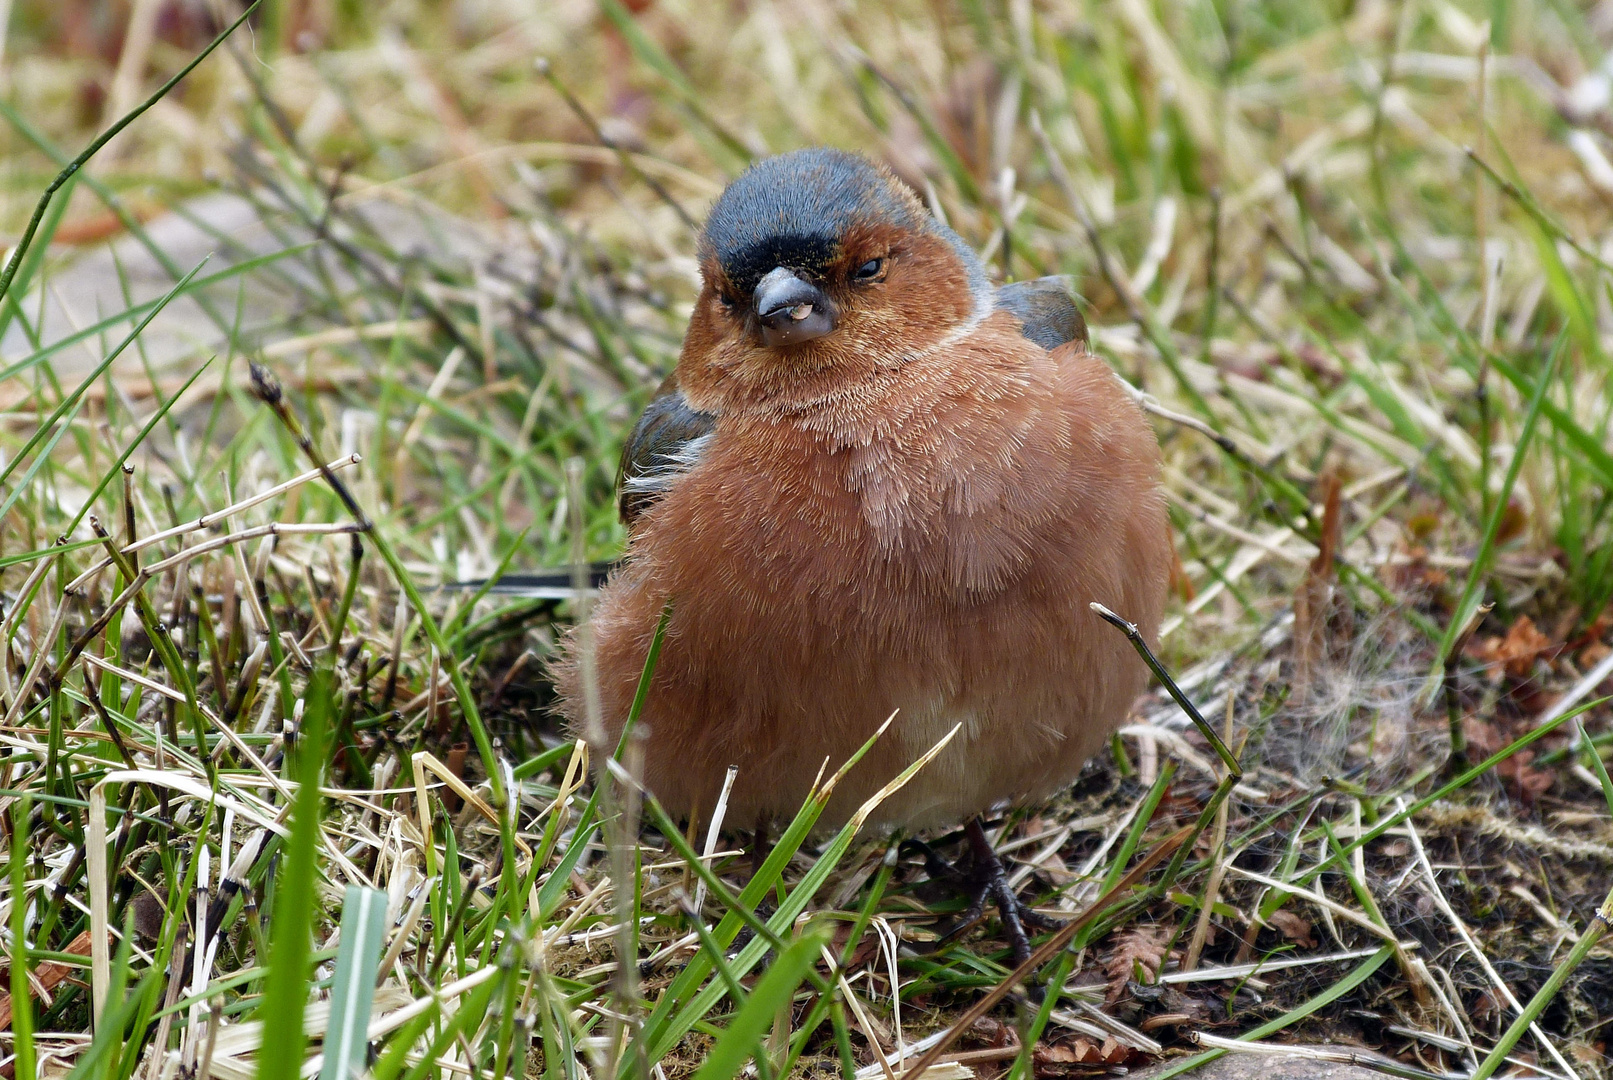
<point>986,878</point>
<point>1018,918</point>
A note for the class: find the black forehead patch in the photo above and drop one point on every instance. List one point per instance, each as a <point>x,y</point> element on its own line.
<point>793,210</point>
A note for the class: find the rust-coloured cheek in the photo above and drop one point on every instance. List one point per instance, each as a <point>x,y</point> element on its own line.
<point>923,297</point>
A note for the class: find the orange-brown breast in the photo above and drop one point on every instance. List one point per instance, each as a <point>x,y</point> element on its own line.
<point>926,540</point>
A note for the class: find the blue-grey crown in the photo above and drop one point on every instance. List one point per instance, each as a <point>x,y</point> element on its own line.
<point>793,210</point>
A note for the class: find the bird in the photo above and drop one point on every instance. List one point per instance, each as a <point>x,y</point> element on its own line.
<point>873,484</point>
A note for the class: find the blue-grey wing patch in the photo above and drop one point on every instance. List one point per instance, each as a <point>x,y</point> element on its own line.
<point>1046,311</point>
<point>666,441</point>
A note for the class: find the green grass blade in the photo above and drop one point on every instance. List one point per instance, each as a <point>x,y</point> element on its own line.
<point>286,989</point>
<point>1390,821</point>
<point>96,329</point>
<point>738,1042</point>
<point>472,1010</point>
<point>661,1039</point>
<point>66,175</point>
<point>72,400</point>
<point>396,1055</point>
<point>353,990</point>
<point>1600,923</point>
<point>1331,994</point>
<point>22,1002</point>
<point>1468,605</point>
<point>1139,824</point>
<point>134,444</point>
<point>10,306</point>
<point>62,423</point>
<point>1598,766</point>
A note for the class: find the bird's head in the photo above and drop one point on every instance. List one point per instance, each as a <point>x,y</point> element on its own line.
<point>819,266</point>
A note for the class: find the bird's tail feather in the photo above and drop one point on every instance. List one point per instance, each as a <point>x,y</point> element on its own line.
<point>540,584</point>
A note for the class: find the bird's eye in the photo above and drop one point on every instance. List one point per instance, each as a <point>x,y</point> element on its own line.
<point>869,270</point>
<point>726,300</point>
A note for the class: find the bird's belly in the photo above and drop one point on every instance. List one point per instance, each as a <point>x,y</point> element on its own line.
<point>987,757</point>
<point>1012,722</point>
<point>788,666</point>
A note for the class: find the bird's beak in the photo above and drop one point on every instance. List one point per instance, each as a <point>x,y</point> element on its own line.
<point>790,309</point>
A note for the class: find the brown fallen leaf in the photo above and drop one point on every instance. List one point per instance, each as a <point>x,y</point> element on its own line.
<point>1415,575</point>
<point>1514,519</point>
<point>994,1032</point>
<point>1516,653</point>
<point>1164,1020</point>
<point>1482,736</point>
<point>1595,634</point>
<point>1522,780</point>
<point>1292,927</point>
<point>98,227</point>
<point>1593,654</point>
<point>1081,1050</point>
<point>48,976</point>
<point>1137,950</point>
<point>456,765</point>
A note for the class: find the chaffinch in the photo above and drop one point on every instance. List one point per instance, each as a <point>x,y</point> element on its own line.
<point>873,484</point>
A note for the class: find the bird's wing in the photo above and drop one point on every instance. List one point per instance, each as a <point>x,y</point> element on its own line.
<point>1046,311</point>
<point>666,441</point>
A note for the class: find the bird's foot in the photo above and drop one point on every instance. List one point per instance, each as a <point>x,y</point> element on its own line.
<point>987,879</point>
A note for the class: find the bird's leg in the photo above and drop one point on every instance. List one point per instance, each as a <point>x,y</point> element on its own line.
<point>934,865</point>
<point>988,878</point>
<point>760,848</point>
